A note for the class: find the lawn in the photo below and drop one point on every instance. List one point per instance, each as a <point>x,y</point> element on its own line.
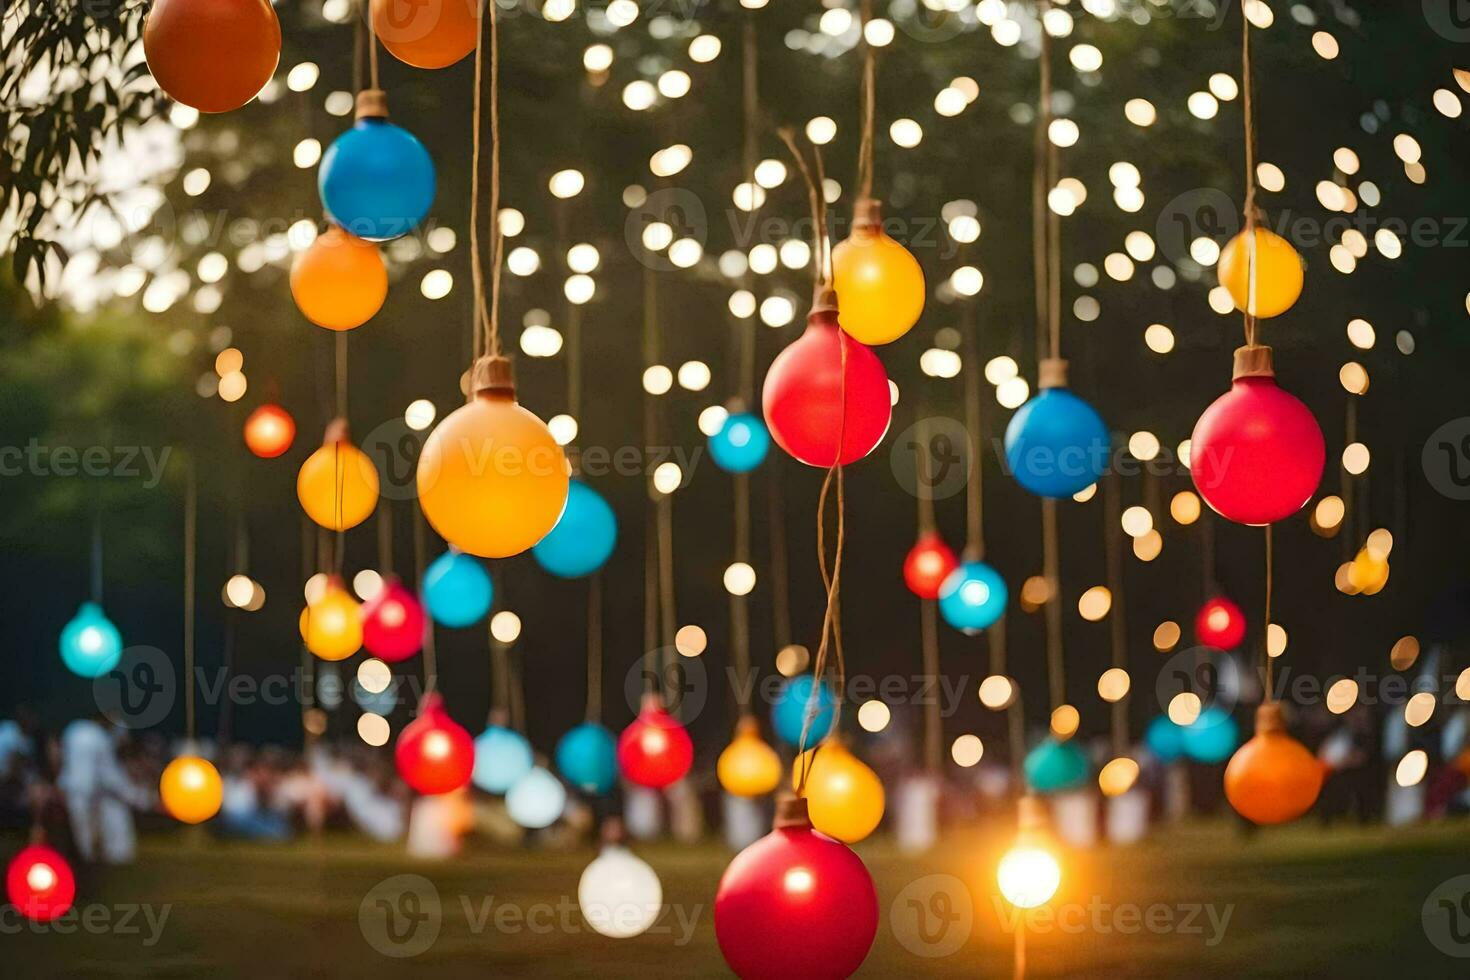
<point>1199,900</point>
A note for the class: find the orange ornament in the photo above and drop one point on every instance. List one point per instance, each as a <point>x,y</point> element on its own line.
<point>190,789</point>
<point>427,33</point>
<point>340,282</point>
<point>213,55</point>
<point>1272,778</point>
<point>338,484</point>
<point>269,431</point>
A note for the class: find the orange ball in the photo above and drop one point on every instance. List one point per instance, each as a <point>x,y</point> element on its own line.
<point>879,283</point>
<point>191,789</point>
<point>338,484</point>
<point>269,431</point>
<point>1272,778</point>
<point>213,55</point>
<point>1277,267</point>
<point>340,282</point>
<point>331,624</point>
<point>427,33</point>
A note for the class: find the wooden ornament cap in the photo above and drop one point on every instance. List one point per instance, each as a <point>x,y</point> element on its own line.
<point>792,813</point>
<point>493,375</point>
<point>1051,373</point>
<point>372,103</point>
<point>867,214</point>
<point>1253,361</point>
<point>613,832</point>
<point>824,300</point>
<point>1270,718</point>
<point>337,431</point>
<point>1031,814</point>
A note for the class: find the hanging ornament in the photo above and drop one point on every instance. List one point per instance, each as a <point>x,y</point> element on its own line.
<point>844,797</point>
<point>741,444</point>
<point>880,287</point>
<point>1219,623</point>
<point>40,883</point>
<point>928,564</point>
<point>434,754</point>
<point>748,766</point>
<point>587,757</point>
<point>537,800</point>
<point>1367,573</point>
<point>90,645</point>
<point>331,624</point>
<point>212,55</point>
<point>376,180</point>
<point>1272,778</point>
<point>269,431</point>
<point>1055,767</point>
<point>1278,271</point>
<point>583,540</point>
<point>1056,444</point>
<point>655,751</point>
<point>619,894</point>
<point>492,480</point>
<point>1257,453</point>
<point>393,623</point>
<point>811,402</point>
<point>1211,737</point>
<point>338,484</point>
<point>1164,739</point>
<point>427,35</point>
<point>1029,873</point>
<point>973,597</point>
<point>457,590</point>
<point>502,758</point>
<point>796,903</point>
<point>190,789</point>
<point>788,712</point>
<point>340,282</point>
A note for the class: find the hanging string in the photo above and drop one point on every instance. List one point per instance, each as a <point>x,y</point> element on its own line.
<point>1051,571</point>
<point>191,558</point>
<point>1112,545</point>
<point>594,648</point>
<point>339,466</point>
<point>372,38</point>
<point>666,569</point>
<point>975,489</point>
<point>431,658</point>
<point>486,320</point>
<point>385,537</point>
<point>869,107</point>
<point>97,556</point>
<point>1270,573</point>
<point>780,575</point>
<point>1247,103</point>
<point>817,201</point>
<point>1039,188</point>
<point>750,114</point>
<point>308,662</point>
<point>739,610</point>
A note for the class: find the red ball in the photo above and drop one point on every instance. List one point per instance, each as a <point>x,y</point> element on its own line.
<point>928,564</point>
<point>1257,453</point>
<point>1219,624</point>
<point>393,623</point>
<point>434,754</point>
<point>269,431</point>
<point>40,884</point>
<point>796,903</point>
<point>655,750</point>
<point>805,390</point>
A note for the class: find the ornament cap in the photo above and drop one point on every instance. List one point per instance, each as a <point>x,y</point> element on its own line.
<point>747,726</point>
<point>431,703</point>
<point>867,215</point>
<point>652,701</point>
<point>492,375</point>
<point>824,300</point>
<point>337,431</point>
<point>614,834</point>
<point>1253,361</point>
<point>1031,814</point>
<point>792,814</point>
<point>1051,373</point>
<point>1270,718</point>
<point>499,718</point>
<point>372,103</point>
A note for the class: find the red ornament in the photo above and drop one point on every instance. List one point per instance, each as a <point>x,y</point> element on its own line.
<point>40,884</point>
<point>796,903</point>
<point>655,750</point>
<point>434,754</point>
<point>1219,624</point>
<point>927,566</point>
<point>1257,453</point>
<point>393,623</point>
<point>269,431</point>
<point>805,391</point>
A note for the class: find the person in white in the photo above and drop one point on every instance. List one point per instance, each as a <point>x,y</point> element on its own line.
<point>100,797</point>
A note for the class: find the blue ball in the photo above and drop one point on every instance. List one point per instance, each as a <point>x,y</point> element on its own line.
<point>1053,767</point>
<point>90,645</point>
<point>1164,739</point>
<point>1213,736</point>
<point>587,757</point>
<point>502,758</point>
<point>583,540</point>
<point>788,714</point>
<point>377,180</point>
<point>972,597</point>
<point>1057,444</point>
<point>741,444</point>
<point>457,590</point>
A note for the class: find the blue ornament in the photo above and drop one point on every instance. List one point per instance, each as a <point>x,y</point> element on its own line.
<point>583,540</point>
<point>1057,444</point>
<point>376,180</point>
<point>1213,736</point>
<point>788,714</point>
<point>588,758</point>
<point>972,597</point>
<point>1054,767</point>
<point>741,444</point>
<point>1164,739</point>
<point>90,645</point>
<point>457,590</point>
<point>536,800</point>
<point>502,758</point>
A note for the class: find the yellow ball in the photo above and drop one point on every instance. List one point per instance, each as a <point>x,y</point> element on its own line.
<point>332,625</point>
<point>748,766</point>
<point>191,789</point>
<point>880,287</point>
<point>338,484</point>
<point>844,797</point>
<point>1278,273</point>
<point>491,479</point>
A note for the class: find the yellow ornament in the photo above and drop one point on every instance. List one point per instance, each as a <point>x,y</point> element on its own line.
<point>191,789</point>
<point>1368,572</point>
<point>844,796</point>
<point>1278,272</point>
<point>880,287</point>
<point>332,625</point>
<point>338,484</point>
<point>491,479</point>
<point>748,766</point>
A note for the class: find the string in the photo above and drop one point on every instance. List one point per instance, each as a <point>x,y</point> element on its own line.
<point>1112,543</point>
<point>750,111</point>
<point>817,201</point>
<point>431,658</point>
<point>869,108</point>
<point>191,558</point>
<point>373,52</point>
<point>780,578</point>
<point>974,490</point>
<point>1051,563</point>
<point>492,343</point>
<point>832,582</point>
<point>1270,573</point>
<point>1039,222</point>
<point>1248,111</point>
<point>97,556</point>
<point>594,648</point>
<point>739,612</point>
<point>385,537</point>
<point>486,318</point>
<point>308,662</point>
<point>339,466</point>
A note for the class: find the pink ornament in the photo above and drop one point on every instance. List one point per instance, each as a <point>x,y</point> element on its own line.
<point>434,753</point>
<point>655,750</point>
<point>393,623</point>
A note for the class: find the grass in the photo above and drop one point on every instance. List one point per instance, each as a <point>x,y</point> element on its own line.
<point>1301,902</point>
